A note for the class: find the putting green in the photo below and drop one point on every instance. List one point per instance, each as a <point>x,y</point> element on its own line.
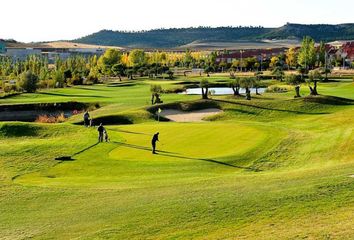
<point>189,149</point>
<point>187,140</point>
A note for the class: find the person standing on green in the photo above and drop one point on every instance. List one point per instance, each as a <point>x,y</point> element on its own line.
<point>86,119</point>
<point>155,138</point>
<point>100,130</point>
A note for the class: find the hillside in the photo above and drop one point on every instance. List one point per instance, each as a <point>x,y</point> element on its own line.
<point>174,38</point>
<point>55,44</point>
<point>320,32</point>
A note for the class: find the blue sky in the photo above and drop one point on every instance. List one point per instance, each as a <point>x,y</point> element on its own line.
<point>41,20</point>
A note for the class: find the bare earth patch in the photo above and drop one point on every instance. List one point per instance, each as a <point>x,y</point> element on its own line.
<point>192,116</point>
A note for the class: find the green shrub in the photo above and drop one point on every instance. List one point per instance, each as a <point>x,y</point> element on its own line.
<point>75,80</point>
<point>276,89</point>
<point>9,88</point>
<point>29,82</point>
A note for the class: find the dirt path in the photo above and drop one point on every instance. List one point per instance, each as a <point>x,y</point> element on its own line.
<point>193,116</point>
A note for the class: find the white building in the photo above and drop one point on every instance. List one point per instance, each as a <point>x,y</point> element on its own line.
<point>22,53</point>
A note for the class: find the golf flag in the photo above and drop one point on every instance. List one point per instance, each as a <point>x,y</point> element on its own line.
<point>159,111</point>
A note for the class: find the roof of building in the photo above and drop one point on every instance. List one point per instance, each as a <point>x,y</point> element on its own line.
<point>252,53</point>
<point>348,48</point>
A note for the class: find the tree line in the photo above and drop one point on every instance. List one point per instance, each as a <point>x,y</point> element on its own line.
<point>36,72</point>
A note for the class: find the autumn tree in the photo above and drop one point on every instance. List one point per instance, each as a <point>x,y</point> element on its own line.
<point>307,53</point>
<point>321,53</point>
<point>58,78</point>
<point>274,62</point>
<point>108,59</point>
<point>291,58</point>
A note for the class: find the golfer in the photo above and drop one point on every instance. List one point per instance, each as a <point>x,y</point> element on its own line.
<point>100,130</point>
<point>155,138</point>
<point>86,119</point>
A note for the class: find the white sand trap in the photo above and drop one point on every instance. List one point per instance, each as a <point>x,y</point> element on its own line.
<point>352,176</point>
<point>192,116</point>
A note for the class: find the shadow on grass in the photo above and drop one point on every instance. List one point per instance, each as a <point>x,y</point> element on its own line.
<point>91,89</point>
<point>176,155</point>
<point>70,158</point>
<point>241,111</point>
<point>139,147</point>
<point>85,149</point>
<point>121,85</point>
<point>131,132</point>
<point>71,95</point>
<point>271,109</point>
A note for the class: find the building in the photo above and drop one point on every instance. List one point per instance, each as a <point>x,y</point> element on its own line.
<point>348,50</point>
<point>246,53</point>
<point>51,52</point>
<point>22,53</point>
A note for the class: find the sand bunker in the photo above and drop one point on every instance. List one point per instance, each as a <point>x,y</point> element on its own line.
<point>192,116</point>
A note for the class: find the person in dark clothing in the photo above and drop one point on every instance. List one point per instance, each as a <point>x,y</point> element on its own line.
<point>106,137</point>
<point>100,130</point>
<point>155,138</point>
<point>86,119</point>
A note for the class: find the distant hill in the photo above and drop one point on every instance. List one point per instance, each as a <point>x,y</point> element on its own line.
<point>175,38</point>
<point>320,32</point>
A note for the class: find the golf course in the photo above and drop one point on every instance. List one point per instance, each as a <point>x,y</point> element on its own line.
<point>273,167</point>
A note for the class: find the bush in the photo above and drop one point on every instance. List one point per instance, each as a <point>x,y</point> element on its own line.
<point>51,119</point>
<point>91,79</point>
<point>277,89</point>
<point>9,88</point>
<point>174,90</point>
<point>76,80</point>
<point>58,78</point>
<point>29,82</point>
<point>46,84</point>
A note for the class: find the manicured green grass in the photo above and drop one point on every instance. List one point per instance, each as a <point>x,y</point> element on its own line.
<point>270,168</point>
<point>124,97</point>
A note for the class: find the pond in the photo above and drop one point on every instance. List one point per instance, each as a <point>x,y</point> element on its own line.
<point>220,91</point>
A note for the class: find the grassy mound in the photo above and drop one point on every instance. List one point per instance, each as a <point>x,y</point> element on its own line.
<point>186,106</point>
<point>260,109</point>
<point>329,100</point>
<point>120,118</point>
<point>19,130</point>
